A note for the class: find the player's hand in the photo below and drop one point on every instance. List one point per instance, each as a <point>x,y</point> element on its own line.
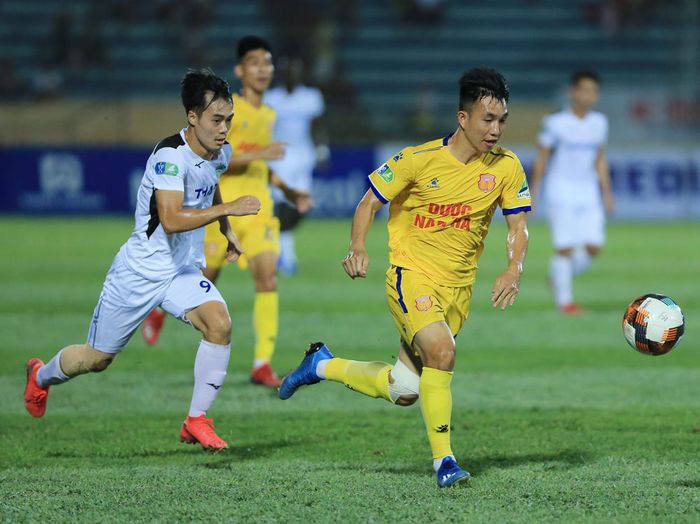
<point>356,263</point>
<point>233,251</point>
<point>245,205</point>
<point>303,201</point>
<point>274,151</point>
<point>505,289</point>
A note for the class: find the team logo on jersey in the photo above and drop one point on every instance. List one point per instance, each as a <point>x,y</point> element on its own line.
<point>398,157</point>
<point>220,168</point>
<point>386,173</point>
<point>486,182</point>
<point>434,184</point>
<point>524,191</point>
<point>424,303</point>
<point>166,168</point>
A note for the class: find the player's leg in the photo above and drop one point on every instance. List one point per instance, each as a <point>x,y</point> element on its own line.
<point>289,218</point>
<point>592,236</point>
<point>564,230</point>
<point>263,250</point>
<point>397,384</point>
<point>195,300</point>
<point>69,362</point>
<point>124,302</point>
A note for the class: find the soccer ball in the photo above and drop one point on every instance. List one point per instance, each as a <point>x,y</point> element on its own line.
<point>653,324</point>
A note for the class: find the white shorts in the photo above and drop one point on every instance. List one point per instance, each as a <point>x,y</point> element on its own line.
<point>127,299</point>
<point>576,224</point>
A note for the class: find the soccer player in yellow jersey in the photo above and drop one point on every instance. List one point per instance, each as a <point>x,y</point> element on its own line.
<point>248,174</point>
<point>443,196</point>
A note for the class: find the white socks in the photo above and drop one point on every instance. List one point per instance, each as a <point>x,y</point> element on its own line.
<point>210,367</point>
<point>287,248</point>
<point>561,271</point>
<point>321,368</point>
<point>51,374</point>
<point>581,260</point>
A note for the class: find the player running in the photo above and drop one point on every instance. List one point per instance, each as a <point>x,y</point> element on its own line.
<point>298,108</point>
<point>578,193</point>
<point>160,264</point>
<point>443,196</point>
<point>248,174</point>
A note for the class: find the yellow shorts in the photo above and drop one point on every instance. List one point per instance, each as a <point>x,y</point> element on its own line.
<point>415,301</point>
<point>256,234</point>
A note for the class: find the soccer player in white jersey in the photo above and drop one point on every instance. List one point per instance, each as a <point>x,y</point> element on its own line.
<point>298,109</point>
<point>160,264</point>
<point>577,193</point>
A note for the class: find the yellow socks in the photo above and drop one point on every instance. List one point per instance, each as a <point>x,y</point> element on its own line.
<point>265,320</point>
<point>436,405</point>
<point>369,378</point>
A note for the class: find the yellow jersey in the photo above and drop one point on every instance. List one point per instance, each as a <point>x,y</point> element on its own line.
<point>251,129</point>
<point>441,209</point>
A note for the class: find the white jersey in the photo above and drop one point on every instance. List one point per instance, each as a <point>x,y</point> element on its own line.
<point>295,114</point>
<point>575,143</point>
<point>151,252</point>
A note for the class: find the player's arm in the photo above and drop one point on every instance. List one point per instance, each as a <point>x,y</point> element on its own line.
<point>301,199</point>
<point>234,250</point>
<point>602,167</point>
<point>239,163</point>
<point>357,260</point>
<point>175,218</point>
<point>538,169</point>
<point>507,284</point>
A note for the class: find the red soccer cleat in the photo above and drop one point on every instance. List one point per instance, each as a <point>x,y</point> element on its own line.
<point>35,396</point>
<point>265,376</point>
<point>571,309</point>
<point>152,325</point>
<point>201,429</point>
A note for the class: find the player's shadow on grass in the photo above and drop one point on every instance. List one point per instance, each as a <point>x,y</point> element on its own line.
<point>228,458</point>
<point>559,460</point>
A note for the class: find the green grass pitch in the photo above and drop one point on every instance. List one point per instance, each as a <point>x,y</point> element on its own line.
<point>556,417</point>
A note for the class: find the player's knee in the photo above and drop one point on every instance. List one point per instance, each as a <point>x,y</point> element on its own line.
<point>441,356</point>
<point>593,250</point>
<point>218,328</point>
<point>403,385</point>
<point>266,283</point>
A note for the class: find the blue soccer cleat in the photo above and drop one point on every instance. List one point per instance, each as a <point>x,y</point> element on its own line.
<point>305,374</point>
<point>450,474</point>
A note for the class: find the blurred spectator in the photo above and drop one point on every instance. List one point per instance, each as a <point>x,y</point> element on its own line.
<point>92,45</point>
<point>422,116</point>
<point>47,81</point>
<point>325,52</point>
<point>12,85</point>
<point>61,45</point>
<point>427,12</point>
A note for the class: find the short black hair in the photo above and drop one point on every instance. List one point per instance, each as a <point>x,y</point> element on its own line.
<point>479,83</point>
<point>195,85</point>
<point>584,74</point>
<point>250,43</point>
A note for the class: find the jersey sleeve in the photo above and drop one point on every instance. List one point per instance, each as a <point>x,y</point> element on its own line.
<point>548,135</point>
<point>515,197</point>
<point>317,105</point>
<point>168,170</point>
<point>389,179</point>
<point>605,132</point>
